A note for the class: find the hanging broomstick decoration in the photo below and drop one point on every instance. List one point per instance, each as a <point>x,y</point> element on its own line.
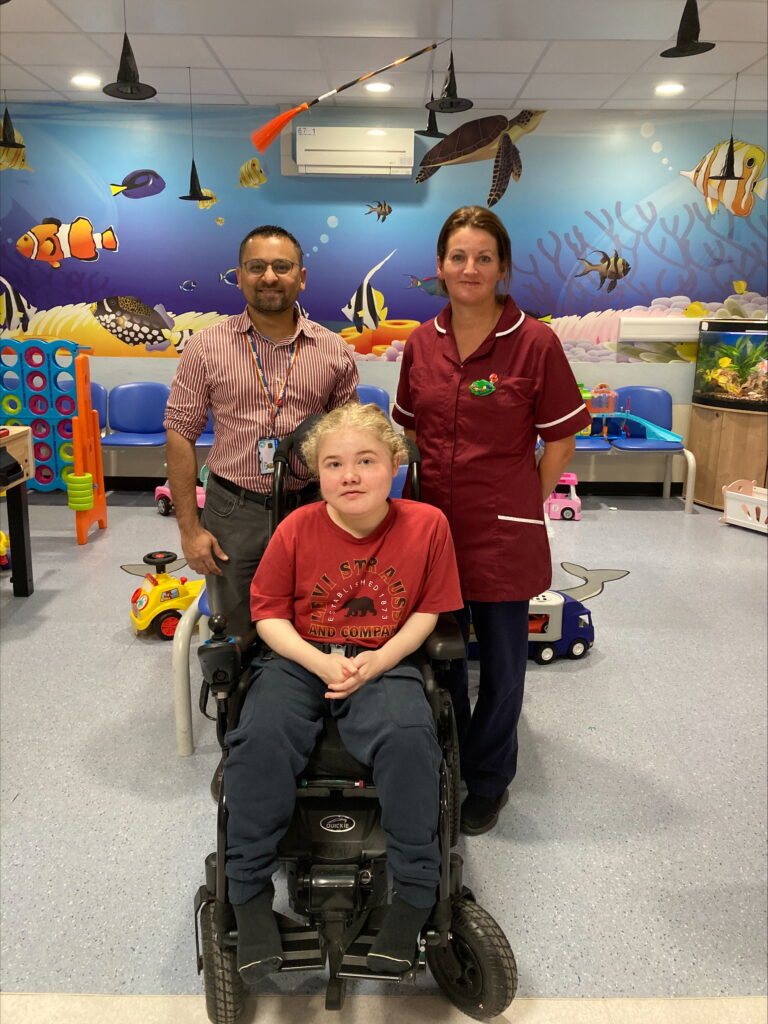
<point>263,137</point>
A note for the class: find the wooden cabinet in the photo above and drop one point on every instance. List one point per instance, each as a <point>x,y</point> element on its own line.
<point>728,445</point>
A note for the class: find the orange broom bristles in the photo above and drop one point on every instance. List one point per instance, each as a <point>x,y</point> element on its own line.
<point>263,137</point>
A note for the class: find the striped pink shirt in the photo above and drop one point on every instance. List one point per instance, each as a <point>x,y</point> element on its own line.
<point>217,371</point>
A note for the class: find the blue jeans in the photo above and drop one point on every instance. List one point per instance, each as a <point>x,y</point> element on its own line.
<point>386,724</point>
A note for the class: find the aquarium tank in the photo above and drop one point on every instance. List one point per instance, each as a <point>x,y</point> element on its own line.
<point>732,364</point>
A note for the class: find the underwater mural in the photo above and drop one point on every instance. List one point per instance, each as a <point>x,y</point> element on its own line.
<point>604,225</point>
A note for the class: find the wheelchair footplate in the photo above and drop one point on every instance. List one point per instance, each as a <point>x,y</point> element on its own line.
<point>302,948</point>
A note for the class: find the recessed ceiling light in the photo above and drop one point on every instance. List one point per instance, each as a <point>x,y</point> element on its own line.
<point>669,89</point>
<point>86,81</point>
<point>378,87</point>
<point>376,131</point>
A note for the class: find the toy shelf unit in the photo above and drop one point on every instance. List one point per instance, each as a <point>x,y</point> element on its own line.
<point>37,390</point>
<point>745,504</point>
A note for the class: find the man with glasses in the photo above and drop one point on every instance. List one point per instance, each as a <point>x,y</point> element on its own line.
<point>260,374</point>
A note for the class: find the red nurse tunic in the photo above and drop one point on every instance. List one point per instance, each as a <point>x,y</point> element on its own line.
<point>478,463</point>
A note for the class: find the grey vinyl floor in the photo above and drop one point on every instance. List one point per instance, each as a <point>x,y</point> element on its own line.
<point>629,862</point>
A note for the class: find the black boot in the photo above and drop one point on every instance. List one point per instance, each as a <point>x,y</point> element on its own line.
<point>394,948</point>
<point>259,949</point>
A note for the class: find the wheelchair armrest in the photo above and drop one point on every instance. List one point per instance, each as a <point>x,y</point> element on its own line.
<point>445,642</point>
<point>249,640</point>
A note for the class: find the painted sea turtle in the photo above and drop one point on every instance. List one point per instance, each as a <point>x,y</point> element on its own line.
<point>483,139</point>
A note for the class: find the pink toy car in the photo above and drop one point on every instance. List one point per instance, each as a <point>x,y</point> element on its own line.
<point>564,502</point>
<point>164,501</point>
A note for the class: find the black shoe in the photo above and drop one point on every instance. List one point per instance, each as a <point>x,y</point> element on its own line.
<point>479,814</point>
<point>259,949</point>
<point>394,948</point>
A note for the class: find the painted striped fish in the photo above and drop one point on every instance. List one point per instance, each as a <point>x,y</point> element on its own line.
<point>738,194</point>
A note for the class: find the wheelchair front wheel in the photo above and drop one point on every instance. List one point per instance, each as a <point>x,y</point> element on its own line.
<point>477,971</point>
<point>224,989</point>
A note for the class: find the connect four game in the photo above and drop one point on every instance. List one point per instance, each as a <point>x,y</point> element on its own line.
<point>38,390</point>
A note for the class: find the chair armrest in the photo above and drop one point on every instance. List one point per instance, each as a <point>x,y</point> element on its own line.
<point>445,642</point>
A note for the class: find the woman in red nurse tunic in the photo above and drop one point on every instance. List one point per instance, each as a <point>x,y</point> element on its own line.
<point>477,385</point>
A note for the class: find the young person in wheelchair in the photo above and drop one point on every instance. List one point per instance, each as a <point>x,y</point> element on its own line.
<point>347,590</point>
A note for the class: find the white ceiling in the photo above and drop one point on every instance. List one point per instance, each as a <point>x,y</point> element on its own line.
<point>544,54</point>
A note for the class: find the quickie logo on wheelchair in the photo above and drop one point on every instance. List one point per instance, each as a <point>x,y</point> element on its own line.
<point>338,823</point>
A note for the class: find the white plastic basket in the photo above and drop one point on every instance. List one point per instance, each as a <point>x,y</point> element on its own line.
<point>746,504</point>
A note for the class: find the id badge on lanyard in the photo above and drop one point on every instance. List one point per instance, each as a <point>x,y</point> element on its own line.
<point>267,446</point>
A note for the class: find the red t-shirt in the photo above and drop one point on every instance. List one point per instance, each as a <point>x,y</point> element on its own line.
<point>340,589</point>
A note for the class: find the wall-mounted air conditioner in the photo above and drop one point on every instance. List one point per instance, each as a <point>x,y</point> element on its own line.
<point>354,151</point>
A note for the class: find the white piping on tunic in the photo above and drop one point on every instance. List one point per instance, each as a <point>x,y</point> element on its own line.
<point>500,334</point>
<point>517,519</point>
<point>554,423</point>
<point>405,411</point>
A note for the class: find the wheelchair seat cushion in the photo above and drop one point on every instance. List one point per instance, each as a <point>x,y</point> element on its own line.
<point>331,760</point>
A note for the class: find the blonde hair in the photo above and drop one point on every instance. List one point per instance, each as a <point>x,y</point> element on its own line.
<point>354,416</point>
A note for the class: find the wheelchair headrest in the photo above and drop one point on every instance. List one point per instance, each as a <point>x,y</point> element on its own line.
<point>292,442</point>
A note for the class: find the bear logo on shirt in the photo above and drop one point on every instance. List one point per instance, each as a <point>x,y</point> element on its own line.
<point>361,606</point>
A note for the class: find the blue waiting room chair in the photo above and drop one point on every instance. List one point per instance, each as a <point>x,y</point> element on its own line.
<point>368,393</point>
<point>655,406</point>
<point>135,415</point>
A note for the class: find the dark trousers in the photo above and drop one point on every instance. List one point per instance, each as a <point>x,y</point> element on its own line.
<point>488,734</point>
<point>387,724</point>
<point>242,529</point>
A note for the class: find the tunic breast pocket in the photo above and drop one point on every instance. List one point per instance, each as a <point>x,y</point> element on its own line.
<point>510,412</point>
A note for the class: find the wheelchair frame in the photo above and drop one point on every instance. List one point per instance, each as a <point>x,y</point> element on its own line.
<point>344,900</point>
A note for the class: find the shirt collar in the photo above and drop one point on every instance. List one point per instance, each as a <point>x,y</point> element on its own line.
<point>511,318</point>
<point>244,325</point>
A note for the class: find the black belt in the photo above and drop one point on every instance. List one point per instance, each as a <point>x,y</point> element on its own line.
<point>348,650</point>
<point>292,498</point>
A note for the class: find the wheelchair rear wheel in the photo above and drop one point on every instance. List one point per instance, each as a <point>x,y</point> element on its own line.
<point>224,989</point>
<point>477,971</point>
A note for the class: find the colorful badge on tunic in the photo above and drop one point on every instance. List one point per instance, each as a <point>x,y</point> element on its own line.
<point>482,387</point>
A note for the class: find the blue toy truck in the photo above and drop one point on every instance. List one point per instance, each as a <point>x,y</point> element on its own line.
<point>558,625</point>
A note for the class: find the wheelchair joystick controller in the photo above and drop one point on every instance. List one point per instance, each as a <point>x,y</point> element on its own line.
<point>220,659</point>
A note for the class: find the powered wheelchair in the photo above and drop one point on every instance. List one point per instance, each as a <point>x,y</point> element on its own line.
<point>334,852</point>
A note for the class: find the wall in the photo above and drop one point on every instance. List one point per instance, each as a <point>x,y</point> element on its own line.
<point>592,183</point>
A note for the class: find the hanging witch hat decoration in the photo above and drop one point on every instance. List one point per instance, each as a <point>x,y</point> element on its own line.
<point>688,44</point>
<point>196,194</point>
<point>128,86</point>
<point>9,135</point>
<point>449,102</point>
<point>728,172</point>
<point>431,131</point>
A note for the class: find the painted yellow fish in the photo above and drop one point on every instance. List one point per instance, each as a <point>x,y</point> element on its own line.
<point>251,174</point>
<point>737,194</point>
<point>14,159</point>
<point>696,310</point>
<point>206,204</point>
<point>739,287</point>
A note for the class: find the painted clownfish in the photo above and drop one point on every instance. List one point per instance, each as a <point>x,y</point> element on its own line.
<point>53,241</point>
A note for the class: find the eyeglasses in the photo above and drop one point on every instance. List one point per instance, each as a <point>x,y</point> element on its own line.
<point>279,267</point>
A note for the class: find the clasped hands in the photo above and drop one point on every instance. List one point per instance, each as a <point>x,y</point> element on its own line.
<point>344,675</point>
